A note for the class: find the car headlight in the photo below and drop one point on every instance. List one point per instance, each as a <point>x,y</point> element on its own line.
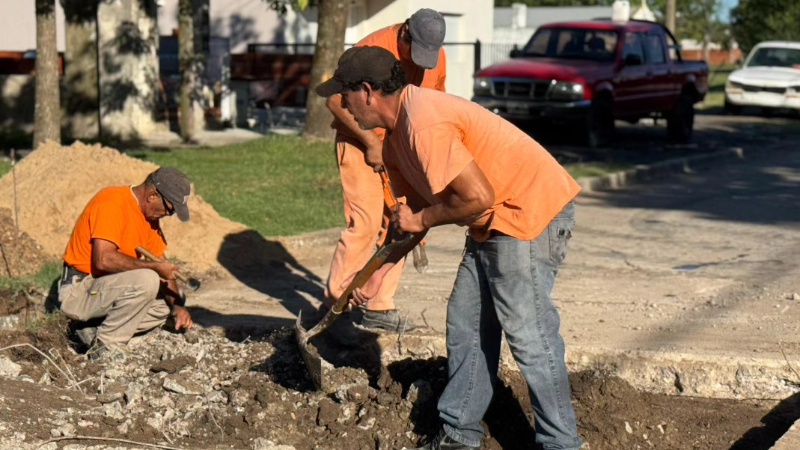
<point>482,86</point>
<point>565,90</point>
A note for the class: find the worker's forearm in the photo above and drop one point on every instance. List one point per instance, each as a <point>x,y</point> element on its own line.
<point>457,211</point>
<point>116,262</point>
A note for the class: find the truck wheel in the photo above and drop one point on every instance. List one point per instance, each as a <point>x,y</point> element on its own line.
<point>732,108</point>
<point>600,123</point>
<point>680,121</point>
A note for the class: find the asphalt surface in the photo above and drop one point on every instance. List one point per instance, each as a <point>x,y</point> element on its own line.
<point>699,267</point>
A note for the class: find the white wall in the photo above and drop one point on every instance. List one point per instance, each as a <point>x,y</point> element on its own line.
<point>18,25</point>
<point>468,20</point>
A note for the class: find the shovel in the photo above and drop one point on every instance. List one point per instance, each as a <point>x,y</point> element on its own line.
<point>314,363</point>
<point>192,283</point>
<point>419,255</point>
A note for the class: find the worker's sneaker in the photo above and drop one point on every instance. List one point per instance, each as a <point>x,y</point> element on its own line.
<point>105,352</point>
<point>84,335</point>
<point>443,442</point>
<point>388,320</point>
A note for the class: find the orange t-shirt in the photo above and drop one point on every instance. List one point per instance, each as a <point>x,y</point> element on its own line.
<point>415,75</point>
<point>436,136</point>
<point>113,214</point>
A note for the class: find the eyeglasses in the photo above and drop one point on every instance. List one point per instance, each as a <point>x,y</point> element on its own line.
<point>170,211</point>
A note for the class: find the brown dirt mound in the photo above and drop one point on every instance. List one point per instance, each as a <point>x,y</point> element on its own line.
<point>20,255</point>
<point>54,183</point>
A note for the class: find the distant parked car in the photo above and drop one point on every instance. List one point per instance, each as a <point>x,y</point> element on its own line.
<point>592,73</point>
<point>770,79</point>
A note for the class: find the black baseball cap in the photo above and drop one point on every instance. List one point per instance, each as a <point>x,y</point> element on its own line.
<point>173,185</point>
<point>357,64</point>
<point>427,29</point>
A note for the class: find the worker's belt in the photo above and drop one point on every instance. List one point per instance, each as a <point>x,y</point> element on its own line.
<point>71,275</point>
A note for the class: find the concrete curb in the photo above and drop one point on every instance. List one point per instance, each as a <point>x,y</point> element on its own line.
<point>670,373</point>
<point>657,170</point>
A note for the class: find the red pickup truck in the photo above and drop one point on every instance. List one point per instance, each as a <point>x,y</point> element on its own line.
<point>593,73</point>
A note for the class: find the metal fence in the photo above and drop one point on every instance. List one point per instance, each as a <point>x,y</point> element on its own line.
<point>463,59</point>
<point>482,54</point>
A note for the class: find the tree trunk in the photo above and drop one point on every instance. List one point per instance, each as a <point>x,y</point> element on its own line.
<point>186,58</point>
<point>47,122</point>
<point>81,96</point>
<point>330,45</point>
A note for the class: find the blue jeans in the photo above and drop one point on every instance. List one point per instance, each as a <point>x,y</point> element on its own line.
<point>504,285</point>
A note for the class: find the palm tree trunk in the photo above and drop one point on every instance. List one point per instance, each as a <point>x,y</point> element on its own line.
<point>330,45</point>
<point>47,122</point>
<point>186,57</point>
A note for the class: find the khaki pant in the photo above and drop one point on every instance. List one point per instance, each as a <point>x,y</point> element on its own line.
<point>363,211</point>
<point>127,300</point>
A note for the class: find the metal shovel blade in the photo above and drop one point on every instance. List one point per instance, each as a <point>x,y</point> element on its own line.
<point>314,363</point>
<point>316,366</point>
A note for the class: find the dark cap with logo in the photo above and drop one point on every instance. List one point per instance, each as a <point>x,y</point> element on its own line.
<point>173,185</point>
<point>427,29</point>
<point>357,64</point>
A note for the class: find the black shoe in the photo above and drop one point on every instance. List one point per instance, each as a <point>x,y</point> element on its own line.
<point>388,320</point>
<point>83,334</point>
<point>443,442</point>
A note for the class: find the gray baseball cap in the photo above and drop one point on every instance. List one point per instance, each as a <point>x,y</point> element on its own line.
<point>173,185</point>
<point>427,29</point>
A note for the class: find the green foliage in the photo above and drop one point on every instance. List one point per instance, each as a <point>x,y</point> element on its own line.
<point>277,185</point>
<point>43,279</point>
<point>283,6</point>
<point>754,21</point>
<point>695,19</point>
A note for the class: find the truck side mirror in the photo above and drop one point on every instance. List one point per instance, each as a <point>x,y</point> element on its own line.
<point>515,53</point>
<point>633,60</point>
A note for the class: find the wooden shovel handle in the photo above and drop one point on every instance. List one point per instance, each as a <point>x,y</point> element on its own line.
<point>155,258</point>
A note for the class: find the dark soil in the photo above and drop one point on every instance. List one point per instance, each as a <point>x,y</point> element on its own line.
<point>20,255</point>
<point>270,396</point>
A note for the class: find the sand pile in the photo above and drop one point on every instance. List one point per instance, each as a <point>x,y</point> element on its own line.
<point>54,183</point>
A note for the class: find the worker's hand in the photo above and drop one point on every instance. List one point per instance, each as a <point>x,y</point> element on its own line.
<point>166,270</point>
<point>182,317</point>
<point>374,157</point>
<point>365,293</point>
<point>406,220</point>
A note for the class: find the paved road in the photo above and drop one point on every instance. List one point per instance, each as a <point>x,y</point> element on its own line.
<point>702,266</point>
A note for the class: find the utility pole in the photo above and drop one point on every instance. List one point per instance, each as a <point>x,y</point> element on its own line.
<point>670,19</point>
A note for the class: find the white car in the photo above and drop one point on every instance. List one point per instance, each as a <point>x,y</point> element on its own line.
<point>770,79</point>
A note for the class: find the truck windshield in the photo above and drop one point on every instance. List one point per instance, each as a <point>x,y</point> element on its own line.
<point>573,43</point>
<point>775,57</point>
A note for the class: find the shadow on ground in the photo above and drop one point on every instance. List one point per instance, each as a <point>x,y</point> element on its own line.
<point>774,425</point>
<point>267,267</point>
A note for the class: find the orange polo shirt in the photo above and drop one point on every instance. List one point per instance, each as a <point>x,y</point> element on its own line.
<point>113,214</point>
<point>436,136</point>
<point>415,75</point>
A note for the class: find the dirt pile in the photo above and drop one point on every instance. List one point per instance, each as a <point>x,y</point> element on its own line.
<point>20,255</point>
<point>54,183</point>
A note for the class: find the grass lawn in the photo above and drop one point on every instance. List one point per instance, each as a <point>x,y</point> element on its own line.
<point>277,185</point>
<point>717,76</point>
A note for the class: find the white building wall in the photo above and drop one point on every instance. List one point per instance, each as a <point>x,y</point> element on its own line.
<point>18,25</point>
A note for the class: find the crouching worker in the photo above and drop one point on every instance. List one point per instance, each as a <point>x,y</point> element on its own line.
<point>108,292</point>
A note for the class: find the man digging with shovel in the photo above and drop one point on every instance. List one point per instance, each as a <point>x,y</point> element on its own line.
<point>108,292</point>
<point>457,163</point>
<point>417,43</point>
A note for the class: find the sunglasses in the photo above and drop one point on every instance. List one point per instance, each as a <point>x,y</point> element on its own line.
<point>170,211</point>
